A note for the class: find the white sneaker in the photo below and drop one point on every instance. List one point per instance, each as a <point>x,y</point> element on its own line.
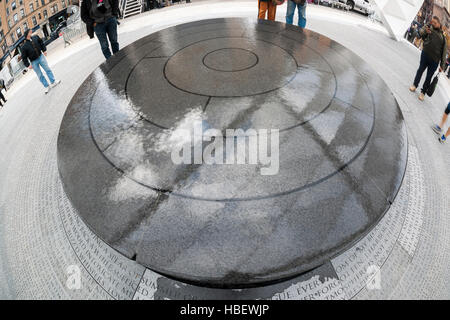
<point>54,84</point>
<point>46,90</point>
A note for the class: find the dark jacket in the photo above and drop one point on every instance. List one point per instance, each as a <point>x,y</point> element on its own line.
<point>435,45</point>
<point>87,18</point>
<point>32,49</point>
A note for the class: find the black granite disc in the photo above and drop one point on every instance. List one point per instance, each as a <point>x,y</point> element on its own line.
<point>342,151</point>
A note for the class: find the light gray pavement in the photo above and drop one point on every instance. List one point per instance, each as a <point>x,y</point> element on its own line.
<point>41,235</point>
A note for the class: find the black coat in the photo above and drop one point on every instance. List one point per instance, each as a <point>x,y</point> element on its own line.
<point>86,14</point>
<point>32,49</point>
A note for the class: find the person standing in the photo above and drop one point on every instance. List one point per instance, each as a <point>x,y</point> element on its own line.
<point>412,33</point>
<point>101,15</point>
<point>433,55</point>
<point>301,6</point>
<point>2,97</point>
<point>33,53</point>
<point>269,6</point>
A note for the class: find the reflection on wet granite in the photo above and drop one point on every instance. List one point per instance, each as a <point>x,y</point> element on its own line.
<point>342,151</point>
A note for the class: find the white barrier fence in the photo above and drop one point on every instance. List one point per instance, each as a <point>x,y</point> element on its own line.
<point>5,74</point>
<point>12,72</point>
<point>73,31</point>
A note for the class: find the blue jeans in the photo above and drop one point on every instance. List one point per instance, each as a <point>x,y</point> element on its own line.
<point>301,13</point>
<point>431,67</point>
<point>105,31</point>
<point>42,62</point>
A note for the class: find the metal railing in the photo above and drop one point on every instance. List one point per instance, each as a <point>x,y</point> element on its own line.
<point>6,75</point>
<point>132,7</point>
<point>122,4</point>
<point>72,31</point>
<point>75,27</point>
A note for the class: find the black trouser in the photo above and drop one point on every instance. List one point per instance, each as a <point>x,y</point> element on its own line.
<point>2,97</point>
<point>104,31</point>
<point>431,67</point>
<point>153,4</point>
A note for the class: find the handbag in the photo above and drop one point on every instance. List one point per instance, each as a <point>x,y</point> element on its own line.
<point>433,85</point>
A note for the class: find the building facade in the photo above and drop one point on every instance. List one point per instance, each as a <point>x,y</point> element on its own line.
<point>18,15</point>
<point>445,4</point>
<point>441,9</point>
<point>430,8</point>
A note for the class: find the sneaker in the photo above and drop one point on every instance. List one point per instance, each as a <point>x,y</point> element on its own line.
<point>442,139</point>
<point>412,88</point>
<point>436,129</point>
<point>421,97</point>
<point>46,90</point>
<point>54,84</point>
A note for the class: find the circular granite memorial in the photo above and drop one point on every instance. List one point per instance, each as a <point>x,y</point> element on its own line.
<point>232,152</point>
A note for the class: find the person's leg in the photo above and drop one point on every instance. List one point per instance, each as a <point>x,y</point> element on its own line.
<point>438,127</point>
<point>48,71</point>
<point>100,32</point>
<point>301,15</point>
<point>112,34</point>
<point>290,12</point>
<point>431,70</point>
<point>443,120</point>
<point>447,133</point>
<point>444,137</point>
<point>272,11</point>
<point>420,71</point>
<point>446,113</point>
<point>37,70</point>
<point>262,8</point>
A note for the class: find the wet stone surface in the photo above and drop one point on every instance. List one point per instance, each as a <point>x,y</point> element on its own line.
<point>144,157</point>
